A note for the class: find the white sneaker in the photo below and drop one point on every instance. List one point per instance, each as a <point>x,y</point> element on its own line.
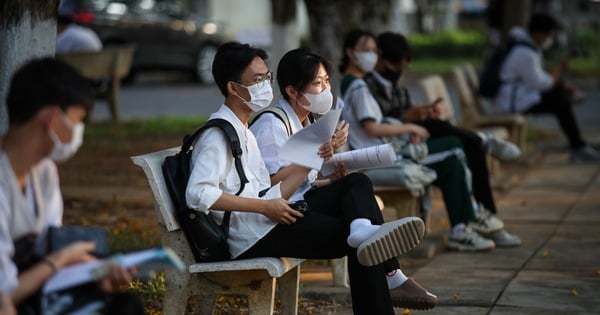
<point>585,154</point>
<point>391,240</point>
<point>502,149</point>
<point>504,239</point>
<point>485,222</point>
<point>468,240</point>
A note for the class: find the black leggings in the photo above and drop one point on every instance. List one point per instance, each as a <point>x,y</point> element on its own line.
<point>557,102</point>
<point>323,232</point>
<point>476,157</point>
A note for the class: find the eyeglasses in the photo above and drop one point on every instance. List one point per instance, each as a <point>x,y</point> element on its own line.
<point>260,79</point>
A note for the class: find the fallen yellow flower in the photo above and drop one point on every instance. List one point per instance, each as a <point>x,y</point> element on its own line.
<point>574,292</point>
<point>456,296</point>
<point>545,254</point>
<point>406,311</point>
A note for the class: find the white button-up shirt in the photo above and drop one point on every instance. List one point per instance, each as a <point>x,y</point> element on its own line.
<point>213,173</point>
<point>271,134</point>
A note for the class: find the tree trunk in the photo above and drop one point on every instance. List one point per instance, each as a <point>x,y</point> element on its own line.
<point>515,13</point>
<point>284,32</point>
<point>27,30</point>
<point>330,20</point>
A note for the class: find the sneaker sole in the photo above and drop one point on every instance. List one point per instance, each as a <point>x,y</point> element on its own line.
<point>413,304</point>
<point>391,240</point>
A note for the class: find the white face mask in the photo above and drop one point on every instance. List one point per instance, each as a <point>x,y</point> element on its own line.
<point>260,97</point>
<point>319,103</point>
<point>548,43</point>
<point>63,151</point>
<point>366,60</point>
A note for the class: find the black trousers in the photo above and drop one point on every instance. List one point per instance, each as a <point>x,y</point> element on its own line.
<point>323,232</point>
<point>557,102</point>
<point>476,157</point>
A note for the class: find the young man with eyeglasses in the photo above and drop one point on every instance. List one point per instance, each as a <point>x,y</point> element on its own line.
<point>262,224</point>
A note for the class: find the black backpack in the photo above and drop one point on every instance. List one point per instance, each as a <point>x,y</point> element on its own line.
<point>207,239</point>
<point>489,79</point>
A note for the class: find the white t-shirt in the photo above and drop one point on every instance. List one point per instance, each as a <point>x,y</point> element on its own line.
<point>271,135</point>
<point>21,213</point>
<point>76,38</point>
<point>360,105</point>
<point>214,172</point>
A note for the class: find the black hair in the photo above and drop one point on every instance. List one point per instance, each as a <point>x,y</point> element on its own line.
<point>46,82</point>
<point>298,68</point>
<point>349,42</point>
<point>230,62</point>
<point>393,47</point>
<point>542,23</point>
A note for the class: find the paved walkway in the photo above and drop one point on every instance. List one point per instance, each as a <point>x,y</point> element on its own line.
<point>556,212</point>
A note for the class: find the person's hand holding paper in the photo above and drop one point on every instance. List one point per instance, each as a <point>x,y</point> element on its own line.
<point>303,147</point>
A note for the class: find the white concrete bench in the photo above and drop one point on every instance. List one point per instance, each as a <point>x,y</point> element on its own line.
<point>473,113</point>
<point>255,278</point>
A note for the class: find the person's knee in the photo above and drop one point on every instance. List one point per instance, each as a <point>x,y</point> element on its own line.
<point>358,180</point>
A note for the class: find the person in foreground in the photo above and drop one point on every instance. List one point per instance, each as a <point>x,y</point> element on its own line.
<point>267,226</point>
<point>528,88</point>
<point>446,157</point>
<point>47,101</point>
<point>394,100</point>
<point>303,79</point>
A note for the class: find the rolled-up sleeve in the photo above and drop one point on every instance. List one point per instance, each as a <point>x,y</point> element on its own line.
<point>8,271</point>
<point>210,160</point>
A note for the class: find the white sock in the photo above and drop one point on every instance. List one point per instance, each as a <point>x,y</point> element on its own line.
<point>483,136</point>
<point>395,278</point>
<point>476,205</point>
<point>458,228</point>
<point>360,231</point>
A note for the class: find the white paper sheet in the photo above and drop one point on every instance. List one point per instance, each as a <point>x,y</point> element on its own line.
<point>302,148</point>
<point>382,155</point>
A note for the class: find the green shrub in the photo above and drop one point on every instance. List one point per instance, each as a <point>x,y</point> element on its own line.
<point>449,44</point>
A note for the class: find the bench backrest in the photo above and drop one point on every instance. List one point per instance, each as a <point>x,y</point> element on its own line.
<point>433,87</point>
<point>470,113</point>
<point>151,163</point>
<point>111,62</point>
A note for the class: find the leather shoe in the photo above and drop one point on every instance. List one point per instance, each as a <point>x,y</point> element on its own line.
<point>411,295</point>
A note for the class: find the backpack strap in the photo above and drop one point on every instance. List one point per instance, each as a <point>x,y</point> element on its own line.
<point>279,113</point>
<point>236,151</point>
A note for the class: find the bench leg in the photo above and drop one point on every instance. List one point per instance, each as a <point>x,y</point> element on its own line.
<point>288,291</point>
<point>339,269</point>
<point>261,299</point>
<point>177,292</point>
<point>113,100</point>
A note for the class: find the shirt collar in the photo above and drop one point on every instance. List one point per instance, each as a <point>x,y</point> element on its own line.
<point>387,84</point>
